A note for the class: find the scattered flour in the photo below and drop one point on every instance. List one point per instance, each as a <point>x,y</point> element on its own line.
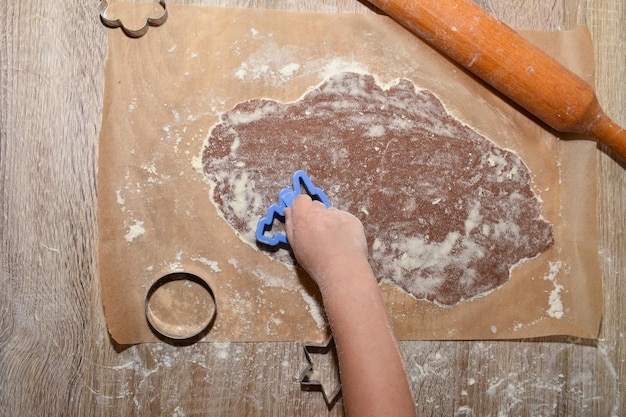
<point>315,309</point>
<point>288,70</point>
<point>214,265</point>
<point>555,309</point>
<point>120,199</point>
<point>179,412</point>
<point>270,63</point>
<point>134,231</point>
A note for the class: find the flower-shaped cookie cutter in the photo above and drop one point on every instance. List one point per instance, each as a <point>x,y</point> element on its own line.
<point>132,33</point>
<point>285,199</point>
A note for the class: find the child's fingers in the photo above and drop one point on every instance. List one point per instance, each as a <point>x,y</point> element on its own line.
<point>288,224</point>
<point>301,202</point>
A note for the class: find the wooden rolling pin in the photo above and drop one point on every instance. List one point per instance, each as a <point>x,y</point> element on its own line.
<point>502,58</point>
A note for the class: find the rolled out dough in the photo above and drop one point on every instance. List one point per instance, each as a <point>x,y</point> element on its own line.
<point>447,213</point>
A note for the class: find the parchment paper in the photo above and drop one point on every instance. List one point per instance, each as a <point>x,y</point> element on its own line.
<point>164,92</point>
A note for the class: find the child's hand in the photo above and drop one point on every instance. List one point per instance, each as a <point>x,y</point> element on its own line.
<point>330,245</point>
<point>325,241</point>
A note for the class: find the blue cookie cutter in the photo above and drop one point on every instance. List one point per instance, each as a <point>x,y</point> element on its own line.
<point>285,199</point>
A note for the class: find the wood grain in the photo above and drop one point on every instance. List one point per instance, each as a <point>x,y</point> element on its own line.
<point>55,356</point>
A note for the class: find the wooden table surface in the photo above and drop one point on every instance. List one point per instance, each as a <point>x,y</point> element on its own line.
<point>55,355</point>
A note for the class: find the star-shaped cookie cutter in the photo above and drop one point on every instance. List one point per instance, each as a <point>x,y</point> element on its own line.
<point>132,33</point>
<point>286,196</point>
<point>306,378</point>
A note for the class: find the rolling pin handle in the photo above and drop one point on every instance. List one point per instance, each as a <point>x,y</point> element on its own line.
<point>605,130</point>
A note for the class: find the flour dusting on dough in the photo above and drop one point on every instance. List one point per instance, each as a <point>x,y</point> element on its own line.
<point>447,213</point>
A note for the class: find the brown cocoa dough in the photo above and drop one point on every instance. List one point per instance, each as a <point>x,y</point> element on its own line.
<point>446,212</point>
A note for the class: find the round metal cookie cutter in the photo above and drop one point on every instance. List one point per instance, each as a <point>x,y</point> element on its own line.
<point>180,307</point>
